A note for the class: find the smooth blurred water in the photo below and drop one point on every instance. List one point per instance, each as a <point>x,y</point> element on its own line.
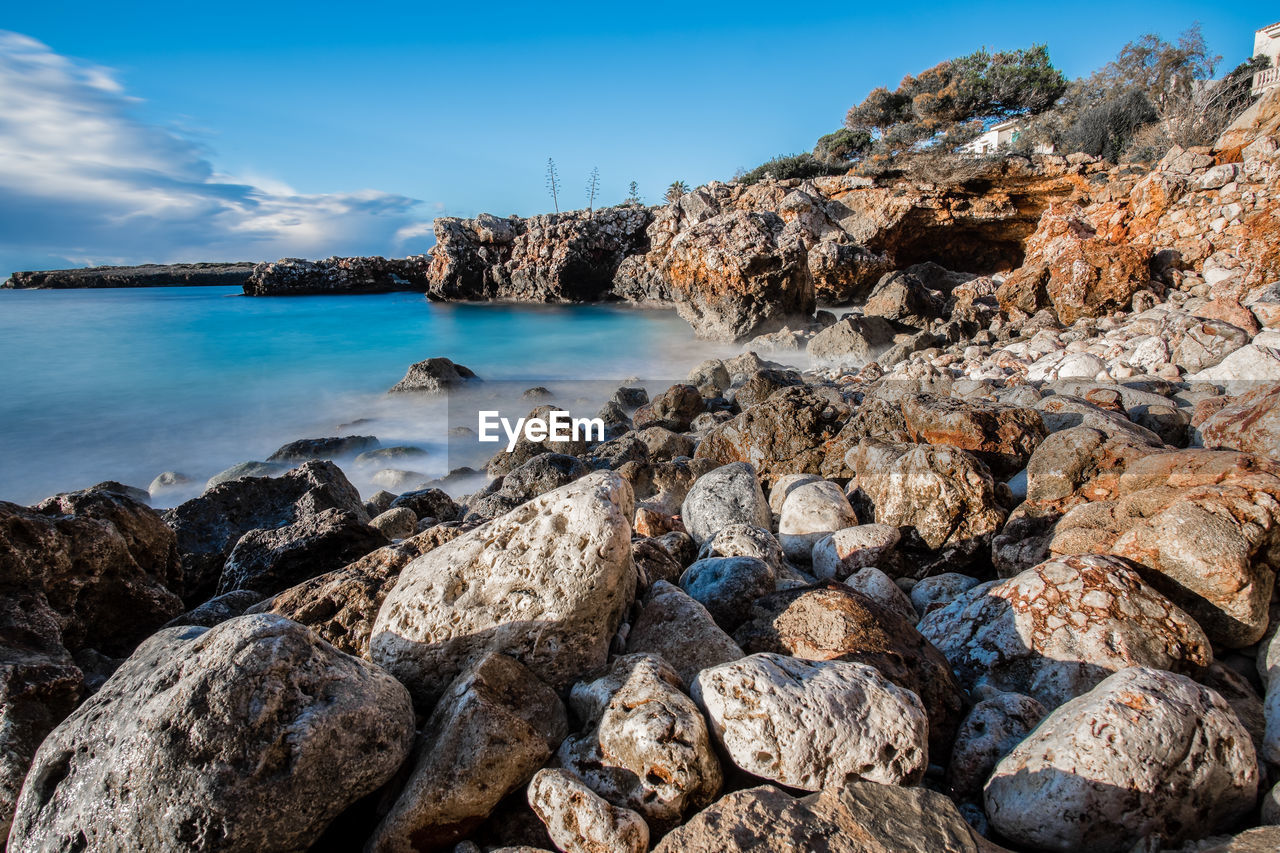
<point>123,384</point>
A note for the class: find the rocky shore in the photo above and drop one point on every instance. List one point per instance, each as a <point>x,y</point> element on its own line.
<point>996,572</point>
<point>146,275</point>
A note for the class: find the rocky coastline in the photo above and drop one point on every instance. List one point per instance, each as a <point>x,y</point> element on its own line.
<point>996,571</point>
<point>145,275</point>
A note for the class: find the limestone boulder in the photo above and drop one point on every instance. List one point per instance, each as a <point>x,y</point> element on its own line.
<point>728,495</point>
<point>845,552</point>
<point>680,631</point>
<point>813,724</point>
<point>788,434</point>
<point>1202,525</point>
<point>1057,630</point>
<point>1250,422</point>
<point>1003,436</point>
<point>266,711</point>
<point>644,745</point>
<point>810,513</point>
<point>581,821</point>
<point>546,584</point>
<point>941,497</point>
<point>855,817</point>
<point>834,622</point>
<point>495,726</point>
<point>744,540</point>
<point>1144,752</point>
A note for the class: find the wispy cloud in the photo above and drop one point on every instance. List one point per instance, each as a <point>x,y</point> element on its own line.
<point>84,180</point>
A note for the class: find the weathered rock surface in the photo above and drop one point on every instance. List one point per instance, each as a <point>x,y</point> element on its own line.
<point>1002,436</point>
<point>1250,422</point>
<point>494,727</point>
<point>744,540</point>
<point>1175,761</point>
<point>990,732</point>
<point>434,376</point>
<point>645,745</point>
<point>270,560</point>
<point>942,497</point>
<point>546,584</point>
<point>340,606</point>
<point>856,817</point>
<point>1070,267</point>
<point>104,564</point>
<point>581,821</point>
<point>786,435</point>
<point>726,586</point>
<point>728,495</point>
<point>738,274</point>
<point>810,513</point>
<point>208,527</point>
<point>847,551</point>
<point>266,711</point>
<point>560,257</point>
<point>813,724</point>
<point>1055,631</point>
<point>680,631</point>
<point>1202,525</point>
<point>852,341</point>
<point>833,622</point>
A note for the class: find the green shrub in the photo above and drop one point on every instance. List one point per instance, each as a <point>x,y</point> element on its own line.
<point>789,166</point>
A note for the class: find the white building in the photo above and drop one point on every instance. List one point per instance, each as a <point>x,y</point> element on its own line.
<point>1266,42</point>
<point>998,136</point>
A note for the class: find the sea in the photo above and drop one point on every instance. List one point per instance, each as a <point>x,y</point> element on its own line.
<point>123,384</point>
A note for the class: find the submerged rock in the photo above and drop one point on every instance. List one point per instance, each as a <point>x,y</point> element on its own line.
<point>433,376</point>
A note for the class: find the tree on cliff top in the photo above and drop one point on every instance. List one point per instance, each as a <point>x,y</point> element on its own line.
<point>1153,95</point>
<point>676,190</point>
<point>946,105</point>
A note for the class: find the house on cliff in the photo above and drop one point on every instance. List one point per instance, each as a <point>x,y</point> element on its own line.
<point>1266,42</point>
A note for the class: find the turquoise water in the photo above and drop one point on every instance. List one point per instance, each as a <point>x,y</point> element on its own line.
<point>124,384</point>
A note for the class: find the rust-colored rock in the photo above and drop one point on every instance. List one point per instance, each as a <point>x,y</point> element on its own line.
<point>1069,267</point>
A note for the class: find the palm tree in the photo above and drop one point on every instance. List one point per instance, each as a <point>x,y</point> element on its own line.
<point>676,190</point>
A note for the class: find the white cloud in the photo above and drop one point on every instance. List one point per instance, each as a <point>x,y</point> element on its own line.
<point>83,180</point>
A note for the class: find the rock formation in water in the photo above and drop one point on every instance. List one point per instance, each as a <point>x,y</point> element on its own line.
<point>145,275</point>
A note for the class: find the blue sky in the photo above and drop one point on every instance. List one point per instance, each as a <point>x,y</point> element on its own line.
<point>152,131</point>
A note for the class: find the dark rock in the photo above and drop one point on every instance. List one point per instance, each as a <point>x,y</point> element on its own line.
<point>295,276</point>
<point>217,610</point>
<point>274,559</point>
<point>208,527</point>
<point>323,448</point>
<point>673,409</point>
<point>428,503</point>
<point>146,275</point>
<point>434,376</point>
